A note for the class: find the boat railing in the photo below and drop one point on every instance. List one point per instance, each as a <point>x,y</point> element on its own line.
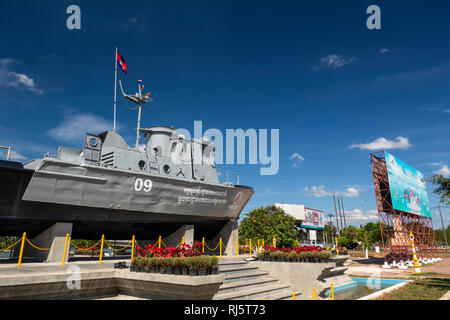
<point>8,155</point>
<point>228,176</point>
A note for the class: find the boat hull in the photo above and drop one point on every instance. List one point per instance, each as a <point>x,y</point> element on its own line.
<point>117,203</point>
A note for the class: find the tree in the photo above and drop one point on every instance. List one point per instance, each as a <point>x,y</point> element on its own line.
<point>348,237</point>
<point>265,223</point>
<point>363,236</point>
<point>443,187</point>
<point>374,230</point>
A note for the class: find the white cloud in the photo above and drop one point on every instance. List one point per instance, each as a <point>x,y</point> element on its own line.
<point>318,191</point>
<point>321,191</point>
<point>446,111</point>
<point>13,79</point>
<point>298,158</point>
<point>351,192</point>
<point>444,170</point>
<point>384,50</point>
<point>383,143</point>
<point>335,61</point>
<point>359,215</point>
<point>74,127</point>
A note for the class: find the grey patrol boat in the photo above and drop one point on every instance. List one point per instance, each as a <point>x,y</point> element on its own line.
<point>109,188</point>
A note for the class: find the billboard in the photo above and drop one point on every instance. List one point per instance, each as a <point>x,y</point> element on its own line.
<point>295,210</point>
<point>313,219</point>
<point>407,185</point>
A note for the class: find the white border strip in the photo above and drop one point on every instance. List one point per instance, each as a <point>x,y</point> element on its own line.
<point>386,290</point>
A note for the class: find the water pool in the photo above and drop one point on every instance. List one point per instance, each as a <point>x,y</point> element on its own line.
<point>362,287</point>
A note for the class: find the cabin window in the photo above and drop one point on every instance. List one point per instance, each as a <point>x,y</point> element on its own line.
<point>142,164</point>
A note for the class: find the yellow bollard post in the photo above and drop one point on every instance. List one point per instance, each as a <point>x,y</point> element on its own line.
<point>250,246</point>
<point>159,242</point>
<point>21,248</point>
<point>65,249</point>
<point>416,261</point>
<point>132,247</point>
<point>332,291</point>
<point>337,250</point>
<point>257,248</point>
<point>182,240</point>
<point>220,243</point>
<point>314,294</point>
<point>203,245</point>
<point>293,295</point>
<point>274,242</point>
<point>101,249</point>
<point>237,248</point>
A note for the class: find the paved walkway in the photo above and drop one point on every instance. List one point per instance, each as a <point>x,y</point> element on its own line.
<point>367,269</point>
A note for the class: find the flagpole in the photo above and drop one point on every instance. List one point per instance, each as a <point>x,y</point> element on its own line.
<point>115,88</point>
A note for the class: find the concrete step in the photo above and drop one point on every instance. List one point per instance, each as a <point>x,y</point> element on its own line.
<point>338,270</point>
<point>244,285</point>
<point>244,276</point>
<point>252,293</point>
<point>283,295</point>
<point>234,266</point>
<point>232,269</point>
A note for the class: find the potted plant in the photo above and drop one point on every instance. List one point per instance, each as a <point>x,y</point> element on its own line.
<point>193,265</point>
<point>273,256</point>
<point>293,256</point>
<point>139,263</point>
<point>214,265</point>
<point>176,266</point>
<point>169,265</point>
<point>146,264</point>
<point>158,264</point>
<point>203,263</point>
<point>133,265</point>
<point>315,256</point>
<point>308,256</point>
<point>324,256</point>
<point>184,266</point>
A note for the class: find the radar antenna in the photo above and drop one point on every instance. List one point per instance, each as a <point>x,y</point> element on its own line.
<point>140,100</point>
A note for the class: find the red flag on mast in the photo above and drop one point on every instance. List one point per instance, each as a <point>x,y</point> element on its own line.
<point>121,62</point>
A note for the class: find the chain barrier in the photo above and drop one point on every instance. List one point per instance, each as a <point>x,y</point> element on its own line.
<point>133,243</point>
<point>206,245</point>
<point>123,248</point>
<point>85,249</point>
<point>20,239</point>
<point>45,249</point>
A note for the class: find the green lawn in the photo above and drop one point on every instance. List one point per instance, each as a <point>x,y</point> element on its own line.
<point>422,289</point>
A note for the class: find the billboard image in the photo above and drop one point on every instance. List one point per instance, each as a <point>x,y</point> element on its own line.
<point>407,185</point>
<point>313,219</point>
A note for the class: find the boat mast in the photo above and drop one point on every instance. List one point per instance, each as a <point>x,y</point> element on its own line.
<point>139,117</point>
<point>140,100</point>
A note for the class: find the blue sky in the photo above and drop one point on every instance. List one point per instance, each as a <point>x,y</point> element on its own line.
<point>310,69</point>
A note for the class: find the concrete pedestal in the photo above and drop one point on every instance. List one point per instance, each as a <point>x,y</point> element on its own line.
<point>53,237</point>
<point>186,231</point>
<point>229,234</point>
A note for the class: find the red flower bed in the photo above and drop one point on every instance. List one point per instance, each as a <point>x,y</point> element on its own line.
<point>184,250</point>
